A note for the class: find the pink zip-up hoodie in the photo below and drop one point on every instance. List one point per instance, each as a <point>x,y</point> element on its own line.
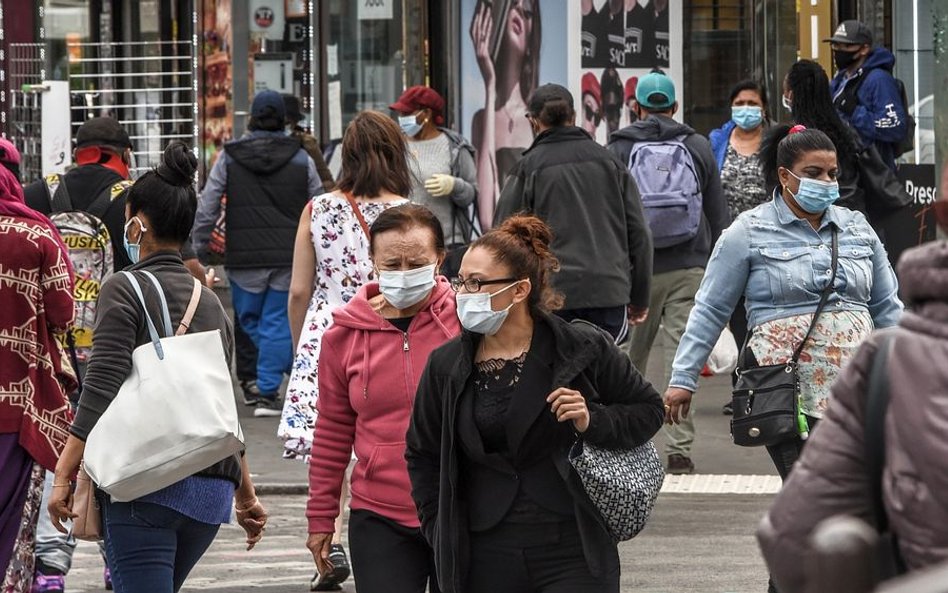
<point>368,374</point>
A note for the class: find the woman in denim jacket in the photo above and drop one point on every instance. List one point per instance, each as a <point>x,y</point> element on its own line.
<point>778,257</point>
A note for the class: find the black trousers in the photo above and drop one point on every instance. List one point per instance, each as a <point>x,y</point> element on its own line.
<point>533,558</point>
<point>245,355</point>
<point>388,557</point>
<point>784,455</point>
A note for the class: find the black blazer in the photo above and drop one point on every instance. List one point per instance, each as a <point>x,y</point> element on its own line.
<point>624,409</point>
<point>490,481</point>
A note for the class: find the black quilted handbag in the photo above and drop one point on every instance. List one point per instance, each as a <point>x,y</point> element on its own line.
<point>766,398</point>
<point>623,484</point>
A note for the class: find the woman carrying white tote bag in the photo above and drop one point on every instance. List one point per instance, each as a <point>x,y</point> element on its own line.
<point>157,422</point>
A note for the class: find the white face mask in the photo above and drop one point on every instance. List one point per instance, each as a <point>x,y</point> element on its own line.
<point>402,289</point>
<point>476,314</point>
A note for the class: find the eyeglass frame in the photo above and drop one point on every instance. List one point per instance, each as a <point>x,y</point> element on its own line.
<point>457,283</point>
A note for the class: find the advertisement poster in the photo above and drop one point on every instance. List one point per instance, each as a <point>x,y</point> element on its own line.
<point>915,224</point>
<point>620,41</point>
<point>598,49</point>
<point>218,78</point>
<point>509,47</point>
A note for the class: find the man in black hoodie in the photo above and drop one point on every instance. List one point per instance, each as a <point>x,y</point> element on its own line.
<point>678,267</point>
<point>268,179</point>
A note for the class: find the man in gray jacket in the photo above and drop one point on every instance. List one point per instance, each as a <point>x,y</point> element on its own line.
<point>679,266</point>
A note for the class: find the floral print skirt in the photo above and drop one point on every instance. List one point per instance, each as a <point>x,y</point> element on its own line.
<point>835,339</point>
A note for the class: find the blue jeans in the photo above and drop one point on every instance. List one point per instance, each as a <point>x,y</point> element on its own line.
<point>150,547</point>
<point>264,317</point>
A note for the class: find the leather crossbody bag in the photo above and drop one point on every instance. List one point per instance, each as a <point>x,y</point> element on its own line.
<point>766,399</point>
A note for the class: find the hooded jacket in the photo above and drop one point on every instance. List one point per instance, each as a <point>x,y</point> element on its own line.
<point>590,201</point>
<point>831,477</point>
<point>879,115</point>
<point>368,373</point>
<point>715,217</point>
<point>624,411</point>
<point>267,189</point>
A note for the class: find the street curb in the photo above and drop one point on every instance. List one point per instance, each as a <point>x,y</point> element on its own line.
<point>280,489</point>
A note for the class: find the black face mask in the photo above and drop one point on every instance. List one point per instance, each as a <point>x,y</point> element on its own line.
<point>844,59</point>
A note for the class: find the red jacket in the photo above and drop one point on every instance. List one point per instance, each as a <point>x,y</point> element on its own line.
<point>368,374</point>
<point>35,301</point>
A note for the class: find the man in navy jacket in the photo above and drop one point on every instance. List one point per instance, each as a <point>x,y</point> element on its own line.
<point>865,92</point>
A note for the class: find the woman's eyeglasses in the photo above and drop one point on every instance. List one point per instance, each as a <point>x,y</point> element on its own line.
<point>475,284</point>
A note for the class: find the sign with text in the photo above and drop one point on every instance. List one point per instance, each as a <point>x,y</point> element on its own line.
<point>56,133</point>
<point>375,10</point>
<point>915,224</point>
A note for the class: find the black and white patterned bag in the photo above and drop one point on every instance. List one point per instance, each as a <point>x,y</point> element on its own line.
<point>623,484</point>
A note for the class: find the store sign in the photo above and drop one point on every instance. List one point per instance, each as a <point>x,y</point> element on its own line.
<point>375,10</point>
<point>267,17</point>
<point>914,224</point>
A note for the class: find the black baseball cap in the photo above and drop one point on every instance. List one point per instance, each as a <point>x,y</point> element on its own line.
<point>547,93</point>
<point>102,131</point>
<point>851,32</point>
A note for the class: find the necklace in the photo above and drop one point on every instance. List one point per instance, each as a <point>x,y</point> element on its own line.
<point>520,351</point>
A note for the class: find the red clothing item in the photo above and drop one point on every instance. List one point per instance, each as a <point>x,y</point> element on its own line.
<point>368,374</point>
<point>35,302</point>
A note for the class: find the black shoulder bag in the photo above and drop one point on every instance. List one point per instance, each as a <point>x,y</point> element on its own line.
<point>766,399</point>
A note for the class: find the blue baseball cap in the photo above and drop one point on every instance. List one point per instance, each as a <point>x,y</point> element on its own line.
<point>655,91</point>
<point>268,104</point>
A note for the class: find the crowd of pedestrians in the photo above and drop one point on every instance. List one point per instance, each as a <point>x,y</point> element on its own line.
<point>451,320</point>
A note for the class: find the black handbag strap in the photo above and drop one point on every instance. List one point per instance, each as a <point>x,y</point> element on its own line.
<point>824,297</point>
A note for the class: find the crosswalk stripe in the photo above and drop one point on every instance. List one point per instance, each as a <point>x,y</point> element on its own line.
<point>721,484</point>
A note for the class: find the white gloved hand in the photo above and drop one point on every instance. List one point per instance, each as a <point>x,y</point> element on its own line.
<point>440,185</point>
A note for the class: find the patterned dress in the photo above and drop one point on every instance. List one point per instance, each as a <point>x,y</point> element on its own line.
<point>836,338</point>
<point>742,182</point>
<point>342,268</point>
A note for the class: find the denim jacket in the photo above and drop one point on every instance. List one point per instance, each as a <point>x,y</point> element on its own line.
<point>780,265</point>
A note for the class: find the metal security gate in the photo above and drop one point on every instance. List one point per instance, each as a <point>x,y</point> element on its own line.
<point>149,86</point>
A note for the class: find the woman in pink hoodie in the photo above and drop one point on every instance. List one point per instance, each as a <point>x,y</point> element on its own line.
<point>370,365</point>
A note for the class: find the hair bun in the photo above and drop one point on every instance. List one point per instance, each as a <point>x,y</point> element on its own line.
<point>535,235</point>
<point>178,164</point>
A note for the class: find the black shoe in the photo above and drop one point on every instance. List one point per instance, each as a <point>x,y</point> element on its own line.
<point>679,464</point>
<point>333,580</point>
<point>268,407</point>
<point>251,393</point>
<point>727,409</point>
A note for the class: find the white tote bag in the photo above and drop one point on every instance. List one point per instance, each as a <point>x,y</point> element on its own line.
<point>174,415</point>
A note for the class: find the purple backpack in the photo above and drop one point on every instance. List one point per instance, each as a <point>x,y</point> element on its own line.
<point>665,174</point>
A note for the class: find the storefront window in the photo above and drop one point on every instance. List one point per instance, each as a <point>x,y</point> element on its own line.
<point>375,50</point>
<point>915,65</point>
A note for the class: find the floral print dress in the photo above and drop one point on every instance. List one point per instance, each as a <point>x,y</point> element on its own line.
<point>835,339</point>
<point>342,268</point>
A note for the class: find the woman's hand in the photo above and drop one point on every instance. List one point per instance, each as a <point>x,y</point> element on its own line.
<point>568,404</point>
<point>252,516</point>
<point>320,544</point>
<point>60,505</point>
<point>481,28</point>
<point>677,404</point>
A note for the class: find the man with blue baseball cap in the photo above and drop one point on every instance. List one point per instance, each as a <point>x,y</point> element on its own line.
<point>668,160</point>
<point>268,179</point>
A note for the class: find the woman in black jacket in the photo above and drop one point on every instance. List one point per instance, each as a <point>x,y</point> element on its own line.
<point>496,412</point>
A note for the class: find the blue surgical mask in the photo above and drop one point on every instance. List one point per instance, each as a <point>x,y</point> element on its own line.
<point>815,196</point>
<point>476,314</point>
<point>787,104</point>
<point>402,289</point>
<point>747,117</point>
<point>409,125</point>
<point>133,249</point>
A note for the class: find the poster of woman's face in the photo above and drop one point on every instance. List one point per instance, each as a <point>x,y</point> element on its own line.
<point>508,55</point>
